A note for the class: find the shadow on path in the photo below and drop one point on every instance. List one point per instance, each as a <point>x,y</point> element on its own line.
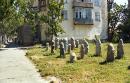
<point>12,45</point>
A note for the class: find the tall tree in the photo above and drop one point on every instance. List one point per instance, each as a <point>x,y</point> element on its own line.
<point>117,17</point>
<point>12,14</point>
<point>109,7</point>
<point>54,17</point>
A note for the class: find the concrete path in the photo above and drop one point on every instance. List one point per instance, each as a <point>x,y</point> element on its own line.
<point>16,68</point>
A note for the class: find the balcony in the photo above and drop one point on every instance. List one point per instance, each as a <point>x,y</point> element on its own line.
<point>83,21</point>
<point>83,4</point>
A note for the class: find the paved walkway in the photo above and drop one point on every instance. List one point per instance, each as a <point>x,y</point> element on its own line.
<point>16,68</point>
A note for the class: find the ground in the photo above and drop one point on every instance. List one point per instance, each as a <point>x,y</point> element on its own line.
<point>87,70</point>
<point>15,67</point>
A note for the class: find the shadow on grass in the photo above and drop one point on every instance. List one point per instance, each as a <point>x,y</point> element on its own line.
<point>95,55</point>
<point>105,62</point>
<point>61,57</point>
<point>58,57</point>
<point>118,57</point>
<point>69,62</point>
<point>48,54</point>
<point>128,67</point>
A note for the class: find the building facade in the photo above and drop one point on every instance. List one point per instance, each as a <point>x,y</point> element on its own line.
<point>83,18</point>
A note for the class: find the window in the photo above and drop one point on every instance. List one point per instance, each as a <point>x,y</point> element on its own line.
<point>65,1</point>
<point>97,16</point>
<point>65,14</point>
<point>76,15</point>
<point>83,13</point>
<point>88,0</point>
<point>84,1</point>
<point>97,2</point>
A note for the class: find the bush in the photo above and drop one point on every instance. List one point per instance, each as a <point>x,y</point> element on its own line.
<point>116,37</point>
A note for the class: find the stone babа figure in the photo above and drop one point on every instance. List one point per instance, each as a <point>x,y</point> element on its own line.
<point>110,53</point>
<point>98,47</point>
<point>62,50</point>
<point>120,49</point>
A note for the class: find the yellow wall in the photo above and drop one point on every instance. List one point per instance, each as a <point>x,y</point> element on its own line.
<point>81,31</point>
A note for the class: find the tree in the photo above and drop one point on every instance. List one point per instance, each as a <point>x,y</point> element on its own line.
<point>109,7</point>
<point>116,16</point>
<point>13,14</point>
<point>125,26</point>
<point>54,17</point>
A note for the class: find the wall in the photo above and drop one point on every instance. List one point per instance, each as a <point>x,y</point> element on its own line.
<point>89,31</point>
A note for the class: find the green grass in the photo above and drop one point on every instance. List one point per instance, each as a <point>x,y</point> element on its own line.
<point>87,70</point>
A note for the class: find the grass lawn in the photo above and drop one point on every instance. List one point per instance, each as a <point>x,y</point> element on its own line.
<point>87,70</point>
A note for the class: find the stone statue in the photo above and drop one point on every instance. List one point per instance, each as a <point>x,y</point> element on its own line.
<point>73,57</point>
<point>110,53</point>
<point>69,48</point>
<point>86,46</point>
<point>62,50</point>
<point>77,43</point>
<point>120,49</point>
<point>98,47</point>
<point>56,43</point>
<point>65,41</point>
<point>82,51</point>
<point>47,46</point>
<point>52,46</point>
<point>72,43</point>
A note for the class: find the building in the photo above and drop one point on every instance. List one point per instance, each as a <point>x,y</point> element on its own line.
<point>82,18</point>
<point>128,3</point>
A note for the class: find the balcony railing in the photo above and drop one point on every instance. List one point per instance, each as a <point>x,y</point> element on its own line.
<point>83,21</point>
<point>83,4</point>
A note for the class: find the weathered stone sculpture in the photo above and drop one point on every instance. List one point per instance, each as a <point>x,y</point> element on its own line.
<point>73,57</point>
<point>120,49</point>
<point>86,46</point>
<point>77,43</point>
<point>72,43</point>
<point>56,43</point>
<point>62,50</point>
<point>47,46</point>
<point>110,53</point>
<point>52,46</point>
<point>61,40</point>
<point>98,47</point>
<point>82,51</point>
<point>65,41</point>
<point>69,48</point>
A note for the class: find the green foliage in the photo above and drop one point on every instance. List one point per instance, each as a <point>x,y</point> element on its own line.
<point>115,38</point>
<point>125,27</point>
<point>53,17</point>
<point>14,13</point>
<point>116,15</point>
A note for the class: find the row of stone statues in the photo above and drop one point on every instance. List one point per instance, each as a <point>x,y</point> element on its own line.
<point>66,46</point>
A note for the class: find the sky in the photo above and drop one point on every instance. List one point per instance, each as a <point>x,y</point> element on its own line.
<point>122,2</point>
